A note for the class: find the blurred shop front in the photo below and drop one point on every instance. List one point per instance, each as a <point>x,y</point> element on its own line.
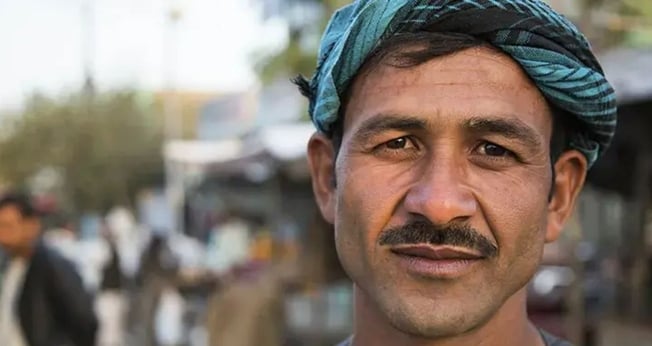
<point>601,268</point>
<point>262,177</point>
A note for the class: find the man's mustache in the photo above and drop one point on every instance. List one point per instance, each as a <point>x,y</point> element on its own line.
<point>425,232</point>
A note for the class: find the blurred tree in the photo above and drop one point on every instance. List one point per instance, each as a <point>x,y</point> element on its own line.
<point>638,22</point>
<point>608,23</point>
<point>614,23</point>
<point>105,147</point>
<point>306,21</point>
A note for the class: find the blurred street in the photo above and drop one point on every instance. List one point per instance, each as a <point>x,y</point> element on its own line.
<point>164,151</point>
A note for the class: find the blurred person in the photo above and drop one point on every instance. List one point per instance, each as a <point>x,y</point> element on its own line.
<point>110,303</point>
<point>453,140</point>
<point>248,310</point>
<point>158,269</point>
<point>229,244</point>
<point>92,251</point>
<point>87,252</point>
<point>42,300</point>
<point>63,238</point>
<point>128,239</point>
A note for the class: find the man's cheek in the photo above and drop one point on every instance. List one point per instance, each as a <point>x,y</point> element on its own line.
<point>510,208</point>
<point>373,199</point>
<point>361,213</point>
<point>519,233</point>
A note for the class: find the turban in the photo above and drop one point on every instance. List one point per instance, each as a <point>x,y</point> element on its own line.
<point>549,48</point>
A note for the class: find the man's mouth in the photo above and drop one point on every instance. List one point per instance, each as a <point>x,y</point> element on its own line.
<point>436,261</point>
<point>437,253</point>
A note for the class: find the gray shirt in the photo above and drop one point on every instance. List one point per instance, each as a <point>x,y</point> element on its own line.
<point>548,339</point>
<point>551,340</point>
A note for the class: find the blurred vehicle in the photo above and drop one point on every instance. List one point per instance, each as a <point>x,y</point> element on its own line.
<point>549,293</point>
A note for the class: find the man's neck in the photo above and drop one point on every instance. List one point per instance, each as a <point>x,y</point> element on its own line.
<point>508,327</point>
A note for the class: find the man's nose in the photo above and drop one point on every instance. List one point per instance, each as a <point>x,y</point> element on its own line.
<point>441,194</point>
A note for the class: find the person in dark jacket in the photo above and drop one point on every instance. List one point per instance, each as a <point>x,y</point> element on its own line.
<point>42,299</point>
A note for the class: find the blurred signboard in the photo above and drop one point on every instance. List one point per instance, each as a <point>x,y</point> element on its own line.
<point>227,116</point>
<point>190,105</point>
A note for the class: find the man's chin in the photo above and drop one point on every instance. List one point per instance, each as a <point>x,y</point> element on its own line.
<point>434,319</point>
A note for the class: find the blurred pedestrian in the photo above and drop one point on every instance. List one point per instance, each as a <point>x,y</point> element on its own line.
<point>110,304</point>
<point>42,300</point>
<point>229,243</point>
<point>249,310</point>
<point>158,269</point>
<point>64,239</point>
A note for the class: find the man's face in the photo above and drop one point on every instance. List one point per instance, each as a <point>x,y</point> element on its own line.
<point>441,202</point>
<point>15,230</point>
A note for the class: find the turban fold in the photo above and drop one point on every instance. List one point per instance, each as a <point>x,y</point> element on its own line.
<point>548,47</point>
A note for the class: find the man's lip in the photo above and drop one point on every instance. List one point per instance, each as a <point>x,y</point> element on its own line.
<point>433,252</point>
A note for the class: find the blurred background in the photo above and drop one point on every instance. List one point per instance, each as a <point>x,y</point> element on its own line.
<point>165,146</point>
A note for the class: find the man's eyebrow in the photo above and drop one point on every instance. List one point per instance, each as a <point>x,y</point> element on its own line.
<point>510,128</point>
<point>387,122</point>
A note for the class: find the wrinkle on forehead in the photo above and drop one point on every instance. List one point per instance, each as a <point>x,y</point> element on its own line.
<point>481,76</point>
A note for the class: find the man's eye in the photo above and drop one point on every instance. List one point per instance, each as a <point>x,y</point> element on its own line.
<point>491,149</point>
<point>399,149</point>
<point>400,143</point>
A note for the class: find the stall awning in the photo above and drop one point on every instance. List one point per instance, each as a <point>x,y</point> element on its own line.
<point>282,143</point>
<point>203,152</point>
<point>628,72</point>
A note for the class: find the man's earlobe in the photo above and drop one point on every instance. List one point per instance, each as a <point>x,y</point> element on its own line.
<point>321,161</point>
<point>570,174</point>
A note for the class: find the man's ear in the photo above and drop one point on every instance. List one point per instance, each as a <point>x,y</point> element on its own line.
<point>321,160</point>
<point>570,174</point>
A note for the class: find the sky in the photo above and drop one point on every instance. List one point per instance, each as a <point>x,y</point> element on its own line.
<point>42,45</point>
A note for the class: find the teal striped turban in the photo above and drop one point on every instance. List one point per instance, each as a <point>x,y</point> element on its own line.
<point>549,48</point>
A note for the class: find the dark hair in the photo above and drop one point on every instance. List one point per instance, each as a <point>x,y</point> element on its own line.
<point>406,50</point>
<point>19,201</point>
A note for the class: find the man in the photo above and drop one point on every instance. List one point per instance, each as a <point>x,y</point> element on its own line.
<point>42,302</point>
<point>454,138</point>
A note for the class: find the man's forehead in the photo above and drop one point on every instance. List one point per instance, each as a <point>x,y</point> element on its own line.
<point>480,64</point>
<point>472,84</point>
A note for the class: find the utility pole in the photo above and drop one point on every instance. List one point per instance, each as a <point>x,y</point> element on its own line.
<point>173,121</point>
<point>88,45</point>
<point>174,173</point>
